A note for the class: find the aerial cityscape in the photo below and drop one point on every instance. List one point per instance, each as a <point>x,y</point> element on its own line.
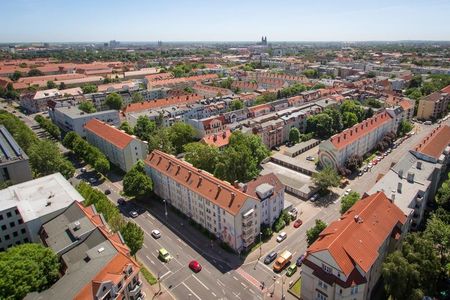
<point>225,150</point>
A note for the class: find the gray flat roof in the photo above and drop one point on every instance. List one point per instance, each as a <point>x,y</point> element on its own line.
<point>74,112</point>
<point>9,149</point>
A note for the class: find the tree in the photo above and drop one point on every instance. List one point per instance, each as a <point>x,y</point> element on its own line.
<point>35,72</point>
<point>125,126</point>
<point>133,236</point>
<point>354,107</point>
<point>160,140</point>
<point>236,105</point>
<point>27,268</point>
<point>438,231</point>
<point>353,162</point>
<point>313,233</point>
<point>326,178</point>
<point>294,135</point>
<point>237,165</point>
<point>137,97</point>
<point>144,128</point>
<point>87,106</point>
<point>321,125</point>
<point>62,86</point>
<point>371,74</point>
<point>201,156</point>
<point>369,113</point>
<point>310,73</point>
<point>349,119</point>
<point>181,134</point>
<point>102,165</point>
<point>15,76</point>
<point>404,127</point>
<point>335,114</point>
<point>136,183</point>
<point>189,90</point>
<point>69,139</point>
<point>443,194</point>
<point>348,201</point>
<point>51,84</point>
<point>89,88</point>
<point>46,159</point>
<point>114,101</point>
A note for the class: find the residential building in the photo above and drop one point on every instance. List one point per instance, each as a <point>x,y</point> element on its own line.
<point>219,140</point>
<point>14,163</point>
<point>37,101</point>
<point>122,149</point>
<point>345,261</point>
<point>71,118</point>
<point>270,192</point>
<point>433,106</point>
<point>359,140</point>
<point>24,207</point>
<point>96,263</point>
<point>219,207</point>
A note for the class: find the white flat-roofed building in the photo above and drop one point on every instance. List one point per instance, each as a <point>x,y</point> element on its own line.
<point>26,206</point>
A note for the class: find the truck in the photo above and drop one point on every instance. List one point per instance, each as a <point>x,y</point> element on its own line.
<point>282,261</point>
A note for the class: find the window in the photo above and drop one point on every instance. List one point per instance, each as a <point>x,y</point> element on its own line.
<point>323,285</point>
<point>354,290</point>
<point>16,211</point>
<point>8,214</point>
<point>321,296</point>
<point>15,234</point>
<point>3,227</point>
<point>23,231</point>
<point>12,224</point>
<point>6,237</point>
<point>1,217</point>
<point>326,268</point>
<point>20,221</point>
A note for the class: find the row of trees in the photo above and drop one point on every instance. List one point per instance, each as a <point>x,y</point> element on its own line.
<point>132,233</point>
<point>44,155</point>
<point>136,183</point>
<point>90,154</point>
<point>48,125</point>
<point>387,141</point>
<point>239,161</point>
<point>17,74</point>
<point>9,92</point>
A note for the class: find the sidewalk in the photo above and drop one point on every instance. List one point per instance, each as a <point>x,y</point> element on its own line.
<point>151,291</point>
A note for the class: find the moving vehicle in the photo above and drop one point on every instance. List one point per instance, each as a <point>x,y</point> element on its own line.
<point>282,261</point>
<point>133,214</point>
<point>298,223</point>
<point>281,237</point>
<point>291,270</point>
<point>156,234</point>
<point>164,255</point>
<point>300,260</point>
<point>270,257</point>
<point>195,266</point>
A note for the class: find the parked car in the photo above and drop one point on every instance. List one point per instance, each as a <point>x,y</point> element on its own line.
<point>121,201</point>
<point>389,150</point>
<point>276,148</point>
<point>270,257</point>
<point>83,170</point>
<point>281,237</point>
<point>298,223</point>
<point>134,214</point>
<point>300,260</point>
<point>195,266</point>
<point>347,191</point>
<point>310,158</point>
<point>366,169</point>
<point>360,173</point>
<point>156,233</point>
<point>291,270</point>
<point>293,213</point>
<point>92,180</point>
<point>314,197</point>
<point>164,255</point>
<point>107,192</point>
<point>379,158</point>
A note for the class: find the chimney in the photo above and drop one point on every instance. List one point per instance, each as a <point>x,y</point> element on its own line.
<point>399,187</point>
<point>419,165</point>
<point>189,176</point>
<point>199,181</point>
<point>219,188</point>
<point>393,196</point>
<point>410,177</point>
<point>233,195</point>
<point>400,173</point>
<point>244,188</point>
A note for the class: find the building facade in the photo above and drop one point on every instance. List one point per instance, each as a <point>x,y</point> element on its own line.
<point>433,106</point>
<point>222,209</point>
<point>122,149</point>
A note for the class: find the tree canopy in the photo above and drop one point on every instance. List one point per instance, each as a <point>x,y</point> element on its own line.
<point>87,107</point>
<point>137,97</point>
<point>313,233</point>
<point>294,135</point>
<point>236,105</point>
<point>404,127</point>
<point>181,134</point>
<point>89,88</point>
<point>144,128</point>
<point>136,183</point>
<point>27,268</point>
<point>326,178</point>
<point>114,101</point>
<point>348,200</point>
<point>202,156</point>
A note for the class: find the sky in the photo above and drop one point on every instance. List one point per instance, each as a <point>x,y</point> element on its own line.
<point>226,20</point>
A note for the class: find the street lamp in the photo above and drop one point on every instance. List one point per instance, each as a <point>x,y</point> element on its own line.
<point>282,287</point>
<point>274,281</point>
<point>165,208</point>
<point>260,244</point>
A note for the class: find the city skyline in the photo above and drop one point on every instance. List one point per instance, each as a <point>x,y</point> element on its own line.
<point>350,20</point>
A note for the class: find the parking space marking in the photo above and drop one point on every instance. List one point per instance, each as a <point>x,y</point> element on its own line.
<point>191,291</point>
<point>195,277</point>
<point>234,277</point>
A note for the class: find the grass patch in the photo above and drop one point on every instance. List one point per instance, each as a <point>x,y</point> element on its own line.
<point>296,288</point>
<point>370,158</point>
<point>151,279</point>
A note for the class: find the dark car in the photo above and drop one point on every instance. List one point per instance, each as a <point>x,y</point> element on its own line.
<point>270,257</point>
<point>107,192</point>
<point>121,201</point>
<point>300,260</point>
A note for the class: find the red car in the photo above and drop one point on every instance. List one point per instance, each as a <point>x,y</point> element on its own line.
<point>298,223</point>
<point>195,266</point>
<point>374,162</point>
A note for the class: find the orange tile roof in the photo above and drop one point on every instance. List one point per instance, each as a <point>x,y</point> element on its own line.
<point>359,130</point>
<point>405,104</point>
<point>109,133</point>
<point>171,81</point>
<point>355,239</point>
<point>270,178</point>
<point>157,103</point>
<point>220,139</point>
<point>159,76</point>
<point>446,89</point>
<point>435,143</point>
<point>209,187</point>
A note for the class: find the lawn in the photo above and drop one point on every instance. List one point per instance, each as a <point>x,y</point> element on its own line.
<point>148,276</point>
<point>296,288</point>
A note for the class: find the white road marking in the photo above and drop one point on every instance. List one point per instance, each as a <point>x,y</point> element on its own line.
<point>213,294</point>
<point>160,278</point>
<point>145,246</point>
<point>200,282</point>
<point>234,277</point>
<point>243,284</point>
<point>152,261</point>
<point>237,295</point>
<point>184,244</point>
<point>251,291</point>
<point>191,291</point>
<point>220,282</point>
<point>151,217</point>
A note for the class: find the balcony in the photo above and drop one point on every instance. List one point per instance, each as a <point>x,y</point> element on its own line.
<point>247,231</point>
<point>248,215</point>
<point>135,290</point>
<point>247,223</point>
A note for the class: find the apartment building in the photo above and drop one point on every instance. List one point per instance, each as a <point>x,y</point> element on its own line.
<point>37,101</point>
<point>270,192</point>
<point>221,208</point>
<point>359,139</point>
<point>14,163</point>
<point>433,106</point>
<point>24,207</point>
<point>70,118</point>
<point>122,149</point>
<point>96,263</point>
<point>345,261</point>
<point>219,140</point>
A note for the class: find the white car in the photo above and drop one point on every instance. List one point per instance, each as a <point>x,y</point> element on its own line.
<point>348,191</point>
<point>281,237</point>
<point>156,234</point>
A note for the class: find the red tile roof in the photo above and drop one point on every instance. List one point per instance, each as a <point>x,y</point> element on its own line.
<point>269,179</point>
<point>359,130</point>
<point>171,81</point>
<point>209,187</point>
<point>355,239</point>
<point>446,89</point>
<point>157,103</point>
<point>435,143</point>
<point>220,139</point>
<point>109,133</point>
<point>405,104</point>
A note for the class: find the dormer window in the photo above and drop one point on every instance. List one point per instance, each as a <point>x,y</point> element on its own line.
<point>326,268</point>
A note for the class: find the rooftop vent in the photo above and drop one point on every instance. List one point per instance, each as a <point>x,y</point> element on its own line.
<point>76,225</point>
<point>100,250</point>
<point>399,187</point>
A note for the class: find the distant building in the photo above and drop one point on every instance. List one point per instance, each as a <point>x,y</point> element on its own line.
<point>14,164</point>
<point>433,106</point>
<point>37,101</point>
<point>122,149</point>
<point>24,207</point>
<point>114,44</point>
<point>96,263</point>
<point>345,261</point>
<point>71,118</point>
<point>219,207</point>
